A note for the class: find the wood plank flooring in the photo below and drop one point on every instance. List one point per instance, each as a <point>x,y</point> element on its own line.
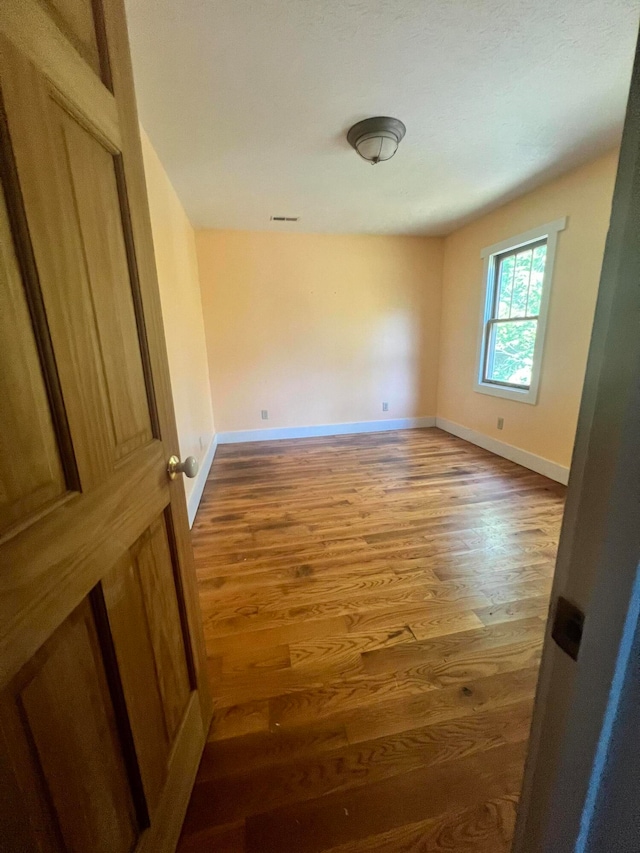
<point>374,607</point>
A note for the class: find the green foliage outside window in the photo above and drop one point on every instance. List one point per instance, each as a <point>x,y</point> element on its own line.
<point>513,331</point>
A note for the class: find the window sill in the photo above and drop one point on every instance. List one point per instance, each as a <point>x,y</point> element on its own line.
<point>529,396</point>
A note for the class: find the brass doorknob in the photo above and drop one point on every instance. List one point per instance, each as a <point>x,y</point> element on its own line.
<point>189,467</point>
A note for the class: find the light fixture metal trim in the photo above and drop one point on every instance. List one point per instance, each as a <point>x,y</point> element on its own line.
<point>378,127</point>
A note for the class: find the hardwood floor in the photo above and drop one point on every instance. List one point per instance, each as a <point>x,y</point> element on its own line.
<point>374,607</point>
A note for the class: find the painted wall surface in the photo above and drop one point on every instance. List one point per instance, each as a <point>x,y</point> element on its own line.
<point>176,260</point>
<point>319,329</point>
<point>548,428</point>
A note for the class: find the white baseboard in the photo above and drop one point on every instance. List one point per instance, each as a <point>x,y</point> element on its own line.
<point>323,430</point>
<point>546,467</point>
<point>552,470</point>
<point>201,480</point>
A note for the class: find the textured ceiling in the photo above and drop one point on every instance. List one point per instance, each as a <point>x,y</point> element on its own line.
<point>248,103</point>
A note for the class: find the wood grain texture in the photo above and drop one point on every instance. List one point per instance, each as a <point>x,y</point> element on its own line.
<point>154,569</point>
<point>61,707</point>
<point>479,829</point>
<point>28,430</point>
<point>76,20</point>
<point>56,563</point>
<point>100,745</point>
<point>374,609</point>
<point>98,205</point>
<point>37,125</point>
<point>40,38</point>
<point>135,656</point>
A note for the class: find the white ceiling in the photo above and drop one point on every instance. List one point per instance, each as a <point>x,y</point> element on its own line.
<point>248,103</point>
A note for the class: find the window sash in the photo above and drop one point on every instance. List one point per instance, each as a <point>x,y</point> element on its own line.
<point>487,360</point>
<point>487,354</point>
<point>497,266</point>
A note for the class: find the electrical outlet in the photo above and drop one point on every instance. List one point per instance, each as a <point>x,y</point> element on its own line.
<point>264,414</point>
<point>500,423</point>
<point>385,407</point>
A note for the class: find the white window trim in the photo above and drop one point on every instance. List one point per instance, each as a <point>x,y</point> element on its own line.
<point>550,231</point>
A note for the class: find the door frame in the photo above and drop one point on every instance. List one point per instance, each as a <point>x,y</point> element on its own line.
<point>579,715</point>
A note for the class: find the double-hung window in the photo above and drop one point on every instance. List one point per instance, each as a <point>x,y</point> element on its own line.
<point>517,279</point>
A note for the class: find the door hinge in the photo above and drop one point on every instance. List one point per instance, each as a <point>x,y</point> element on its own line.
<point>568,623</point>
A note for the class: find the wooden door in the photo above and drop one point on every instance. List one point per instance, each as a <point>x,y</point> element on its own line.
<point>103,697</point>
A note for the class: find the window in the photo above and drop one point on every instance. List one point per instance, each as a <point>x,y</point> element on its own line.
<point>518,282</point>
<point>510,335</point>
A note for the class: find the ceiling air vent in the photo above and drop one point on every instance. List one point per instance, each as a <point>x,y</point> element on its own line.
<point>285,218</point>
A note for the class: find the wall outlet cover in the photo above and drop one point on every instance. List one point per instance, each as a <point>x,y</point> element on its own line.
<point>385,407</point>
<point>264,414</point>
<point>500,423</point>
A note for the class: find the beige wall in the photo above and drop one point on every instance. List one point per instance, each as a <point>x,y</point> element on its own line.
<point>319,329</point>
<point>547,429</point>
<point>176,260</point>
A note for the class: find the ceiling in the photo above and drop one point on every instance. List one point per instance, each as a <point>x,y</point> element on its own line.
<point>248,103</point>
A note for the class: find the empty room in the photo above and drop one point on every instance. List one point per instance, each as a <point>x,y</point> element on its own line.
<point>320,400</point>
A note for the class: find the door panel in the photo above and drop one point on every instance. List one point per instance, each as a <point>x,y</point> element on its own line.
<point>103,699</point>
<point>76,20</point>
<point>63,719</point>
<point>154,564</point>
<point>134,652</point>
<point>17,831</point>
<point>43,173</point>
<point>74,218</point>
<point>28,429</point>
<point>142,606</point>
<point>100,232</point>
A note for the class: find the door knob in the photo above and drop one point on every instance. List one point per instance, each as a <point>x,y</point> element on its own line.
<point>189,467</point>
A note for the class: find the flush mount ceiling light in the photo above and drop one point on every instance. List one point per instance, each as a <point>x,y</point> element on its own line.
<point>376,139</point>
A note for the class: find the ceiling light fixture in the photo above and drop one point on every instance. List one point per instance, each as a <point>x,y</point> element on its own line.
<point>376,139</point>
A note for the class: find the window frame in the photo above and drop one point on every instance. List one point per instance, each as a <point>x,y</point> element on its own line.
<point>491,256</point>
